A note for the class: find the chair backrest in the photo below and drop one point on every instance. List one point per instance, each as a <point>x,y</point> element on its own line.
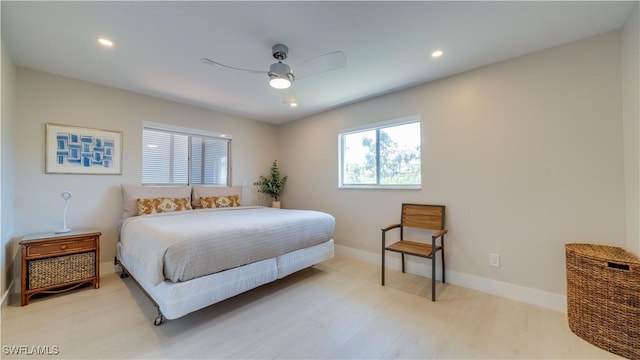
<point>423,216</point>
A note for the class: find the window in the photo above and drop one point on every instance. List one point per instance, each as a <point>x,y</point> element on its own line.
<point>383,155</point>
<point>179,156</point>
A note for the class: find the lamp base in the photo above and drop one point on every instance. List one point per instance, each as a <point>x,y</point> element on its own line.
<point>62,231</point>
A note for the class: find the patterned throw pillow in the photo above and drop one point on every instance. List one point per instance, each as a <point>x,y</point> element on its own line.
<point>220,201</point>
<point>159,205</point>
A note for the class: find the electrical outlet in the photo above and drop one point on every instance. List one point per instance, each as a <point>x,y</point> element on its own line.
<point>494,260</point>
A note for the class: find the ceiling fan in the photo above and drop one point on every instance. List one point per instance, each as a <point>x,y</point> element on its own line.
<point>281,76</point>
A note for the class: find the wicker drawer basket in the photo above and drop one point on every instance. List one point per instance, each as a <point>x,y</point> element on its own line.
<point>61,269</point>
<point>603,297</point>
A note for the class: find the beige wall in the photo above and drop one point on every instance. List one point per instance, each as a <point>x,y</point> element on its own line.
<point>526,154</point>
<point>631,119</point>
<point>8,80</point>
<point>97,200</point>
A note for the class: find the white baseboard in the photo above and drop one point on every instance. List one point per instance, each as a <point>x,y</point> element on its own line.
<point>6,297</point>
<point>494,287</point>
<point>107,268</point>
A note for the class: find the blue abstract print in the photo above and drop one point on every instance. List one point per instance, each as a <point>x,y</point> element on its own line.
<point>84,150</point>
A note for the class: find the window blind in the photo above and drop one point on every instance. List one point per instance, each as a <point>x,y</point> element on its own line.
<point>174,158</point>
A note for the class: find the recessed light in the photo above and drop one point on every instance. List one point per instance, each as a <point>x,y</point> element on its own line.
<point>436,54</point>
<point>105,42</point>
<point>293,104</point>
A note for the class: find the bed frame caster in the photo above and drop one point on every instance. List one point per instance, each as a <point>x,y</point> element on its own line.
<point>158,321</point>
<point>123,272</point>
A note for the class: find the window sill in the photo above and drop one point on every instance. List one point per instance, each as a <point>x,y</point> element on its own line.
<point>381,187</point>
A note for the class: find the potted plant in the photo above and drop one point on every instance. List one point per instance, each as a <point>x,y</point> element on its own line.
<point>272,184</point>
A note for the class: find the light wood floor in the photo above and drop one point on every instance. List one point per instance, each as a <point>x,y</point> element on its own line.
<point>335,310</point>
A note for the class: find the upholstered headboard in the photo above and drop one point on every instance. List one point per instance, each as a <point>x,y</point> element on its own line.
<point>131,194</point>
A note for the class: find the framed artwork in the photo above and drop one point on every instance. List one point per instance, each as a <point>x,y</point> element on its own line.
<point>79,150</point>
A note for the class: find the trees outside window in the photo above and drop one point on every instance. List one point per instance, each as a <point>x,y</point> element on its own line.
<point>387,155</point>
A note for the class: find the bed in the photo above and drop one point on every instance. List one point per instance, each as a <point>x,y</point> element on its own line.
<point>202,246</point>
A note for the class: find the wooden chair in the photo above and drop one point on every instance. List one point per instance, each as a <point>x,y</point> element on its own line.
<point>429,217</point>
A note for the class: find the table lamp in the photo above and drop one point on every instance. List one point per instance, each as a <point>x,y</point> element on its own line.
<point>66,195</point>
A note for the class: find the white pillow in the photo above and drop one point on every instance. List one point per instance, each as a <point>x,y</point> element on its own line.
<point>209,191</point>
<point>131,194</point>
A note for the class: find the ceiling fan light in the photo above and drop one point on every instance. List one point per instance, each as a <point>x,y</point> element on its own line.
<point>278,82</point>
<point>280,76</point>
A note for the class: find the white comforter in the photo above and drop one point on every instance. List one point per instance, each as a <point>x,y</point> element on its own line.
<point>183,245</point>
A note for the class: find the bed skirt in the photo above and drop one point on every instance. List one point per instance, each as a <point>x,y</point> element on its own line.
<point>178,299</point>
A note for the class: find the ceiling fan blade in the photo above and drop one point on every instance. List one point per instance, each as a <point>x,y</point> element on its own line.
<point>289,97</point>
<point>214,63</point>
<point>319,64</point>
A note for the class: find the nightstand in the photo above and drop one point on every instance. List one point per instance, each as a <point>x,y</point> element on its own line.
<point>54,263</point>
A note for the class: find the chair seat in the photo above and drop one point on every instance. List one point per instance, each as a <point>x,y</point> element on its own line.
<point>413,248</point>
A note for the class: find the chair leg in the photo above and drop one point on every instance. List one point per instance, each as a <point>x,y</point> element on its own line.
<point>382,267</point>
<point>433,277</point>
<point>402,255</point>
<point>442,253</point>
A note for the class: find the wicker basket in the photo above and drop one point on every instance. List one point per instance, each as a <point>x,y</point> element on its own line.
<point>61,269</point>
<point>603,297</point>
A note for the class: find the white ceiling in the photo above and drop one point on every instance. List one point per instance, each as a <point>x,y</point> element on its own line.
<point>158,45</point>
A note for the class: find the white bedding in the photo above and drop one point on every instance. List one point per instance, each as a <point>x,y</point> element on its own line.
<point>184,245</point>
